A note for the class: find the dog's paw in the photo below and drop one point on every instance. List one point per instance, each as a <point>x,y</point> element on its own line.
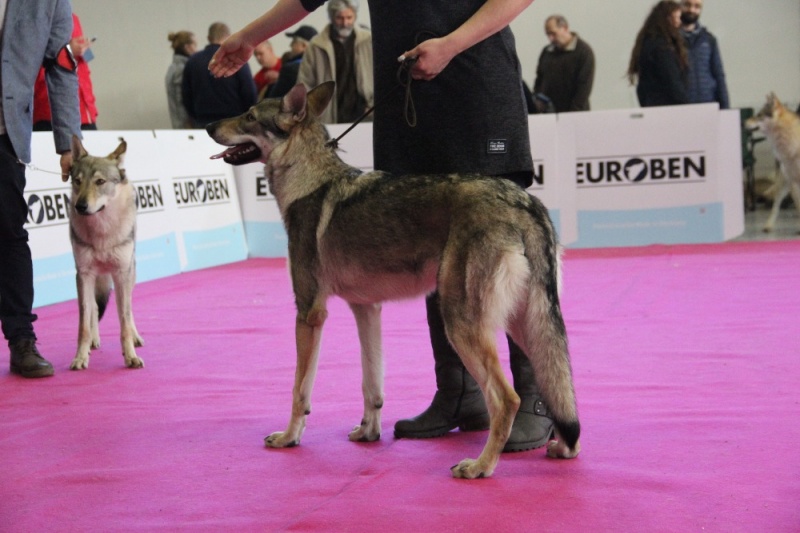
<point>133,362</point>
<point>280,439</point>
<point>81,362</point>
<point>558,450</point>
<point>138,341</point>
<point>470,469</point>
<point>95,343</point>
<point>362,433</point>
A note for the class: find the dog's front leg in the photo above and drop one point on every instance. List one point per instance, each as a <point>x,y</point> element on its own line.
<point>368,320</point>
<point>781,192</point>
<point>308,333</point>
<point>87,311</point>
<point>129,337</point>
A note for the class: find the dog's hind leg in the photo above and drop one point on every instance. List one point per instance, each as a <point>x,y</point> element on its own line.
<point>478,350</point>
<point>123,285</point>
<point>368,320</point>
<point>308,333</point>
<point>87,311</point>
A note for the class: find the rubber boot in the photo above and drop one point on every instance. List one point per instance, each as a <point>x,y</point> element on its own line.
<point>532,426</point>
<point>458,401</point>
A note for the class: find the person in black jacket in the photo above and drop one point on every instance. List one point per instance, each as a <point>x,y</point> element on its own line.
<point>207,98</point>
<point>287,78</point>
<point>659,63</point>
<point>706,81</point>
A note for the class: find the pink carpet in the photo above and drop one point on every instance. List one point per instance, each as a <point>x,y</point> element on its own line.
<point>687,370</point>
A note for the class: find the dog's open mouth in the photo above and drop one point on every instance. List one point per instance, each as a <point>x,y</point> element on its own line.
<point>240,154</point>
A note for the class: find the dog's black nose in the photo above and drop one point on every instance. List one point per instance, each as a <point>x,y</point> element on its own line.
<point>81,207</point>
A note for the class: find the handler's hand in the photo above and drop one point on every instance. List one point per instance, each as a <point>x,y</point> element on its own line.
<point>66,164</point>
<point>432,58</point>
<point>231,55</point>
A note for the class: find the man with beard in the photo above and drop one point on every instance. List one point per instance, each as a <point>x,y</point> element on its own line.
<point>342,53</point>
<point>706,81</point>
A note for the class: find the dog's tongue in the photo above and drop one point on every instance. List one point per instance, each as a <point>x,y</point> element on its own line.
<point>221,155</point>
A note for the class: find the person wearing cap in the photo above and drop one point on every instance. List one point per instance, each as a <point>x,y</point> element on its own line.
<point>287,77</point>
<point>342,52</point>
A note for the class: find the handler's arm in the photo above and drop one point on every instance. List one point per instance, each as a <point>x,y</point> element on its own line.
<point>435,54</point>
<point>237,49</point>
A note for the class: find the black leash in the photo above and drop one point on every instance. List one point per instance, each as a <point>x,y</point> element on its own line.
<point>403,82</point>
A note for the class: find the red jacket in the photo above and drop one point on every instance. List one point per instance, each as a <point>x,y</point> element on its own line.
<point>41,104</point>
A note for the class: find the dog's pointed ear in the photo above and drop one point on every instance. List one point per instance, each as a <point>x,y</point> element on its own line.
<point>78,151</point>
<point>295,102</point>
<point>117,155</point>
<point>320,96</point>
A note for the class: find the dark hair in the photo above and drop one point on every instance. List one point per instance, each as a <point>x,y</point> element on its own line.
<point>657,25</point>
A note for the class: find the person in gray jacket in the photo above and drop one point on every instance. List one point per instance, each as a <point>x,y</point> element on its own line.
<point>34,34</point>
<point>341,52</point>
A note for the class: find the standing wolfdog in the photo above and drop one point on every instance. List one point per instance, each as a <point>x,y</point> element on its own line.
<point>488,247</point>
<point>782,128</point>
<point>102,229</point>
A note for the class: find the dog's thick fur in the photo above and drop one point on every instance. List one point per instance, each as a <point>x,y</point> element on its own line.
<point>782,127</point>
<point>102,230</point>
<point>488,247</point>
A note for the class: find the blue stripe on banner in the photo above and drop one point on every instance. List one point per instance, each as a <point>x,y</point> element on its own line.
<point>54,280</point>
<point>157,258</point>
<point>266,239</point>
<point>676,225</point>
<point>214,247</point>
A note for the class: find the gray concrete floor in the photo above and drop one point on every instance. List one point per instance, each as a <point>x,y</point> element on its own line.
<point>787,227</point>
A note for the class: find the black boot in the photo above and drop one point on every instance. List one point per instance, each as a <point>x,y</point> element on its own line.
<point>27,361</point>
<point>532,426</point>
<point>458,401</point>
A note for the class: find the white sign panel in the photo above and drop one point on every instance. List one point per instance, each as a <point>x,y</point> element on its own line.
<point>647,176</point>
<point>204,197</point>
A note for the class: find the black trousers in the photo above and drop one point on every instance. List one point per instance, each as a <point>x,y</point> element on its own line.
<point>16,264</point>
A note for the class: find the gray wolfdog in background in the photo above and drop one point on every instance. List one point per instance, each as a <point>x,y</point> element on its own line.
<point>782,128</point>
<point>488,247</point>
<point>102,230</point>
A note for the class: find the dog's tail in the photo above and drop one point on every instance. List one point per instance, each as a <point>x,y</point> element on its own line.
<point>539,329</point>
<point>102,291</point>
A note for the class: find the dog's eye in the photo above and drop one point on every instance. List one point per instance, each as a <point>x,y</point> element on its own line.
<point>100,181</point>
<point>76,181</point>
<point>251,117</point>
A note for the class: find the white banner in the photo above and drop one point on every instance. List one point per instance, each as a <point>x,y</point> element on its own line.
<point>202,194</point>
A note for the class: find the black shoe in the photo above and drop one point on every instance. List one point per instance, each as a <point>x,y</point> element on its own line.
<point>27,361</point>
<point>466,412</point>
<point>532,427</point>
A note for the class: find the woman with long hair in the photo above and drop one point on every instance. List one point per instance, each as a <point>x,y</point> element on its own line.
<point>659,61</point>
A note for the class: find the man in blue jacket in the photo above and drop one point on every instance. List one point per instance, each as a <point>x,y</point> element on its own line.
<point>208,99</point>
<point>706,81</point>
<point>33,34</point>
